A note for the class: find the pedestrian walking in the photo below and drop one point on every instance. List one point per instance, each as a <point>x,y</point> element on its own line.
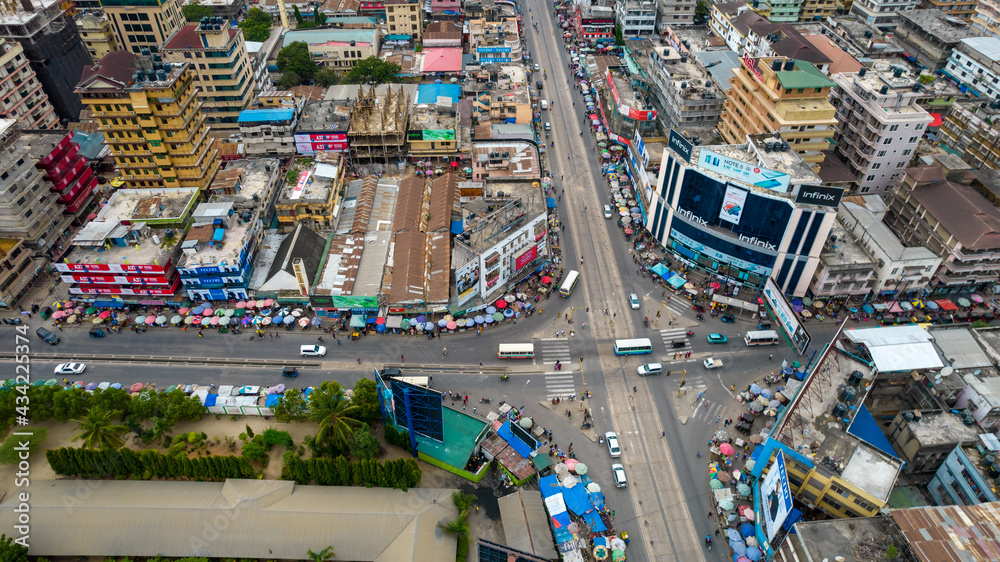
<point>402,359</point>
<point>473,409</point>
<point>664,434</point>
<point>770,356</point>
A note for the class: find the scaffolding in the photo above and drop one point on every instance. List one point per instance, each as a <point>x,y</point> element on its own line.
<point>378,126</point>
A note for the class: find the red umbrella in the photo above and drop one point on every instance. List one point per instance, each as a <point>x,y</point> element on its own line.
<point>628,231</point>
<point>380,320</point>
<point>136,387</point>
<point>501,304</point>
<point>726,449</point>
<point>546,279</point>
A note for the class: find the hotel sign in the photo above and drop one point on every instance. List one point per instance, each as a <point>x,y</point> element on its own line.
<point>751,64</point>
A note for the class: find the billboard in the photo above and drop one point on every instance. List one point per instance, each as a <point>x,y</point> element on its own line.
<point>743,171</point>
<point>425,409</point>
<point>783,312</point>
<point>527,257</point>
<point>775,497</point>
<point>637,114</point>
<point>680,145</point>
<point>467,281</point>
<point>733,203</point>
<point>816,195</point>
<point>308,144</point>
<point>641,148</point>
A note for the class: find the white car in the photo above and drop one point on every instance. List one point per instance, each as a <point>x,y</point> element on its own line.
<point>614,448</point>
<point>537,67</point>
<point>633,301</point>
<point>607,211</point>
<point>312,350</point>
<point>618,472</point>
<point>70,368</point>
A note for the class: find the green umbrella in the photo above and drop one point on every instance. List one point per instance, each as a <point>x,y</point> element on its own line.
<point>726,505</point>
<point>220,312</point>
<point>743,489</point>
<point>497,316</point>
<point>715,484</point>
<point>90,310</point>
<point>38,382</point>
<point>240,311</point>
<point>51,382</point>
<point>405,324</point>
<point>229,312</point>
<point>9,383</point>
<point>171,387</point>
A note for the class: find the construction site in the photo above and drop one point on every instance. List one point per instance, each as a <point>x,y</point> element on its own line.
<point>377,133</point>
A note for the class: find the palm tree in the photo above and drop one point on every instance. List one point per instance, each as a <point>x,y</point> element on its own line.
<point>161,427</point>
<point>98,431</point>
<point>336,416</point>
<point>325,554</point>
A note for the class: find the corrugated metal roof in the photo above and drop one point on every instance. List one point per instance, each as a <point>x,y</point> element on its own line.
<point>940,534</point>
<point>266,519</point>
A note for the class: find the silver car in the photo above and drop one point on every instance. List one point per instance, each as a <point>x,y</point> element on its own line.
<point>618,472</point>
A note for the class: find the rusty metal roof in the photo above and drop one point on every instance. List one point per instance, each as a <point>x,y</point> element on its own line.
<point>959,533</point>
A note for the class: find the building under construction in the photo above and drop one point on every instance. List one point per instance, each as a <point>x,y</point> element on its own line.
<point>377,134</point>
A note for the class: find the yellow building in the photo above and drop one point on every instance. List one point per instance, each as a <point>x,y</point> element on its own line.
<point>225,78</point>
<point>404,18</point>
<point>963,9</point>
<point>151,119</point>
<point>142,24</point>
<point>97,34</point>
<point>312,196</point>
<point>509,106</point>
<point>777,95</point>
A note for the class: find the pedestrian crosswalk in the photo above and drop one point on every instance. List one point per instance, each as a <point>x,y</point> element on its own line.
<point>560,384</point>
<point>555,349</point>
<point>707,411</point>
<point>678,335</point>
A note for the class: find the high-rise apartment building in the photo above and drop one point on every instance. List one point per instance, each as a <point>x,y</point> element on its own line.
<point>21,95</point>
<point>142,24</point>
<point>97,34</point>
<point>53,47</point>
<point>879,126</point>
<point>28,208</point>
<point>222,68</point>
<point>986,16</point>
<point>882,14</point>
<point>404,17</point>
<point>785,96</point>
<point>151,118</point>
<point>973,129</point>
<point>975,65</point>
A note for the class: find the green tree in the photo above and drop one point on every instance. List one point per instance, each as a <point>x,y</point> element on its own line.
<point>460,528</point>
<point>9,453</point>
<point>366,398</point>
<point>99,431</point>
<point>298,15</point>
<point>295,58</point>
<point>700,12</point>
<point>289,79</point>
<point>364,445</point>
<point>256,25</point>
<point>11,551</point>
<point>372,70</point>
<point>325,554</point>
<point>160,429</point>
<point>195,11</point>
<point>327,77</point>
<point>619,38</point>
<point>336,416</point>
<point>291,407</point>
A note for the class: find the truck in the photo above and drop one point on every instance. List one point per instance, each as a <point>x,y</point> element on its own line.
<point>712,363</point>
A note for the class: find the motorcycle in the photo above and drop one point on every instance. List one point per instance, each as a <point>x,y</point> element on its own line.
<point>555,400</point>
<point>708,542</point>
<point>504,378</point>
<point>586,425</point>
<point>690,333</point>
<point>645,321</point>
<point>484,400</point>
<point>700,316</point>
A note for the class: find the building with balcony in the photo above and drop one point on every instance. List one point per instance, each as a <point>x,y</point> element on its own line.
<point>961,9</point>
<point>269,132</point>
<point>784,96</point>
<point>338,49</point>
<point>636,17</point>
<point>404,17</point>
<point>508,106</point>
<point>845,268</point>
<point>595,24</point>
<point>858,38</point>
<point>22,97</point>
<point>682,89</point>
<point>968,474</point>
<point>143,24</point>
<point>314,198</point>
<point>130,248</point>
<point>879,126</point>
<point>97,34</point>
<point>675,12</point>
<point>52,45</point>
<point>224,76</point>
<point>897,266</point>
<point>28,208</point>
<point>151,119</point>
<point>973,129</point>
<point>230,10</point>
<point>975,66</point>
<point>495,41</point>
<point>931,35</point>
<point>628,104</point>
<point>433,133</point>
<point>218,251</point>
<point>18,268</point>
<point>882,14</point>
<point>986,17</point>
<point>73,181</point>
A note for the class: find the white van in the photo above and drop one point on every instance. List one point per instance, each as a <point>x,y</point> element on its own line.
<point>649,369</point>
<point>545,104</point>
<point>312,350</point>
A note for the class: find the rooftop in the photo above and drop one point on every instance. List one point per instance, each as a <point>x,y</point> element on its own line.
<point>955,532</point>
<point>941,429</point>
<point>938,24</point>
<point>988,47</point>
<point>691,81</point>
<point>895,349</point>
<point>844,539</point>
<point>965,213</point>
<point>960,347</point>
<point>805,75</point>
<point>879,234</point>
<point>258,181</point>
<point>321,116</point>
<point>514,203</point>
<point>207,244</point>
<point>188,38</point>
<point>787,162</point>
<point>510,160</point>
<point>369,207</point>
<point>17,15</point>
<point>39,144</point>
<point>314,185</point>
<point>845,251</point>
<point>721,64</point>
<point>427,118</point>
<point>320,36</point>
<point>840,60</point>
<point>266,115</point>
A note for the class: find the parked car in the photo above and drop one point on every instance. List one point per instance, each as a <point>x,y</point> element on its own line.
<point>744,428</point>
<point>747,418</point>
<point>633,301</point>
<point>312,350</point>
<point>717,338</point>
<point>618,472</point>
<point>614,448</point>
<point>47,336</point>
<point>607,211</point>
<point>537,68</point>
<point>70,368</point>
<point>728,318</point>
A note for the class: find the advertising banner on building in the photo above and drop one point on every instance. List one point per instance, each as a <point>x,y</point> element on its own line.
<point>632,113</point>
<point>733,203</point>
<point>680,145</point>
<point>823,196</point>
<point>743,171</point>
<point>641,147</point>
<point>775,497</point>
<point>783,312</point>
<point>525,258</point>
<point>467,281</point>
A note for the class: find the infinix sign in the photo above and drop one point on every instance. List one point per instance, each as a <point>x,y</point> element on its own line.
<point>758,242</point>
<point>823,196</point>
<point>691,216</point>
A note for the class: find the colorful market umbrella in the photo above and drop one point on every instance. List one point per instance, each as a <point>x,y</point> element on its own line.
<point>726,449</point>
<point>136,387</point>
<point>716,485</point>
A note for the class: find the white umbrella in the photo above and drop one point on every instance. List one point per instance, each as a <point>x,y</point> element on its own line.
<point>594,488</point>
<point>297,312</point>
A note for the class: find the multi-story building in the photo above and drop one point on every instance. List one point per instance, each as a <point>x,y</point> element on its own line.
<point>879,126</point>
<point>636,17</point>
<point>674,12</point>
<point>72,179</point>
<point>595,24</point>
<point>925,438</point>
<point>748,32</point>
<point>742,212</point>
<point>97,34</point>
<point>230,10</point>
<point>508,106</point>
<point>845,270</point>
<point>682,89</point>
<point>986,17</point>
<point>404,17</point>
<point>442,9</point>
<point>130,248</point>
<point>930,36</point>
<point>143,24</point>
<point>782,10</point>
<point>975,66</point>
<point>973,129</point>
<point>224,74</point>
<point>628,106</point>
<point>338,49</point>
<point>967,476</point>
<point>28,208</point>
<point>433,133</point>
<point>151,119</point>
<point>817,10</point>
<point>858,38</point>
<point>882,14</point>
<point>495,41</point>
<point>377,131</point>
<point>958,8</point>
<point>323,126</point>
<point>721,18</point>
<point>784,96</point>
<point>18,268</point>
<point>314,198</point>
<point>898,266</point>
<point>21,95</point>
<point>269,132</point>
<point>53,47</point>
<point>217,254</point>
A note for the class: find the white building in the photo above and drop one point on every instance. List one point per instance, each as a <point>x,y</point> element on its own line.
<point>896,265</point>
<point>879,125</point>
<point>882,14</point>
<point>636,17</point>
<point>975,64</point>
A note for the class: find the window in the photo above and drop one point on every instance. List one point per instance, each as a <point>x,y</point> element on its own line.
<point>888,140</point>
<point>881,153</point>
<point>913,139</point>
<point>876,166</point>
<point>907,151</point>
<point>870,178</point>
<point>893,128</point>
<point>919,127</point>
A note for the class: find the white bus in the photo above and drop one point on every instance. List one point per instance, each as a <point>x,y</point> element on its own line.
<point>633,347</point>
<point>762,337</point>
<point>566,289</point>
<point>516,351</point>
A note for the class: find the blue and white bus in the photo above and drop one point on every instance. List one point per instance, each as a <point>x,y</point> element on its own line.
<point>633,347</point>
<point>568,284</point>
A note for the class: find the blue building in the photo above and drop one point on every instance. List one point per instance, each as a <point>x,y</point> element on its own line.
<point>217,253</point>
<point>968,475</point>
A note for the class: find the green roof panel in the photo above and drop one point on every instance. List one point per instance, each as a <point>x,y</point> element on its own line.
<point>805,75</point>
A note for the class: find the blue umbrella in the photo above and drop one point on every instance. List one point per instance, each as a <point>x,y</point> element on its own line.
<point>931,305</point>
<point>754,389</point>
<point>380,328</point>
<point>116,385</point>
<point>746,530</point>
<point>429,326</point>
<point>754,553</point>
<point>508,313</point>
<point>491,309</point>
<point>739,547</point>
<point>868,309</point>
<point>479,319</point>
<point>442,322</point>
<point>420,319</point>
<point>733,535</point>
<point>853,310</point>
<point>488,319</point>
<point>370,321</point>
<point>288,320</point>
<point>277,319</point>
<point>766,393</point>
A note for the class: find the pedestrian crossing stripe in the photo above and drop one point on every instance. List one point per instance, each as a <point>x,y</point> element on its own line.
<point>559,384</point>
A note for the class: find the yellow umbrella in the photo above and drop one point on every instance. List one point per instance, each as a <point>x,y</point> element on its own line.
<point>97,320</point>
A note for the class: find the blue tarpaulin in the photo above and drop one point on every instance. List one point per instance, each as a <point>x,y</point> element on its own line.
<point>560,527</point>
<point>594,520</point>
<point>676,281</point>
<point>515,443</point>
<point>596,499</point>
<point>551,203</point>
<point>271,400</point>
<point>210,400</point>
<point>576,499</point>
<point>864,427</point>
<point>265,115</point>
<point>549,486</point>
<point>661,270</point>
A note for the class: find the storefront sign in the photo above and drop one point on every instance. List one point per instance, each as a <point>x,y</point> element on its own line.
<point>823,196</point>
<point>526,258</point>
<point>783,312</point>
<point>636,114</point>
<point>719,256</point>
<point>733,203</point>
<point>743,171</point>
<point>680,145</point>
<point>641,148</point>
